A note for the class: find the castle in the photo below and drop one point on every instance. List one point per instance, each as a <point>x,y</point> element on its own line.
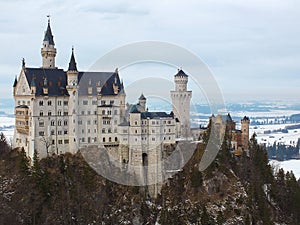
<point>59,111</point>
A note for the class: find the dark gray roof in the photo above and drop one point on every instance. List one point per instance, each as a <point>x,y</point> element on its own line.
<point>181,73</point>
<point>134,109</point>
<point>22,107</point>
<point>153,115</point>
<point>142,97</point>
<point>245,118</point>
<point>48,35</point>
<point>15,82</point>
<point>72,63</point>
<point>105,80</point>
<point>56,80</point>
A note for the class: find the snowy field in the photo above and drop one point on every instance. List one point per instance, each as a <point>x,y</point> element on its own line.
<point>289,165</point>
<point>289,138</point>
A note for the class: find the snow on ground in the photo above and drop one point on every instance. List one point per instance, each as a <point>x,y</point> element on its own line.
<point>6,121</point>
<point>289,138</point>
<point>289,165</point>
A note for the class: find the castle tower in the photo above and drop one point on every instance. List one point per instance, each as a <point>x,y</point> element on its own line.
<point>181,99</point>
<point>72,77</point>
<point>48,50</point>
<point>142,103</point>
<point>245,122</point>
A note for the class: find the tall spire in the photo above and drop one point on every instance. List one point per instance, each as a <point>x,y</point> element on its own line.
<point>48,34</point>
<point>72,63</point>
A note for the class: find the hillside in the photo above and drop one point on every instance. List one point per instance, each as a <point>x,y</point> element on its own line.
<point>65,190</point>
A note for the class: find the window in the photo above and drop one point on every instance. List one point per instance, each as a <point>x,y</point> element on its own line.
<point>95,122</point>
<point>109,130</point>
<point>49,103</point>
<point>85,102</point>
<point>59,123</point>
<point>59,103</point>
<point>153,139</point>
<point>82,131</point>
<point>116,139</point>
<point>109,139</point>
<point>103,112</point>
<point>59,112</point>
<point>53,142</point>
<point>153,122</point>
<point>102,102</point>
<point>41,103</point>
<point>95,130</point>
<point>65,132</point>
<point>103,139</point>
<point>49,113</point>
<point>89,122</point>
<point>135,122</point>
<point>52,123</point>
<point>94,102</point>
<point>52,132</point>
<point>153,131</point>
<point>89,112</point>
<point>109,112</point>
<point>82,112</point>
<point>89,131</point>
<point>41,123</point>
<point>65,102</point>
<point>60,142</point>
<point>66,141</point>
<point>103,131</point>
<point>41,113</point>
<point>82,140</point>
<point>136,131</point>
<point>111,102</point>
<point>65,113</point>
<point>79,122</point>
<point>66,123</point>
<point>59,132</point>
<point>41,133</point>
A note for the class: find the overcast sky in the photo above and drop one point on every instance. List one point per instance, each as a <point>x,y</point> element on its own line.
<point>252,47</point>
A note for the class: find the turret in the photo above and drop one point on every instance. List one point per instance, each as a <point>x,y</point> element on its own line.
<point>142,103</point>
<point>48,50</point>
<point>181,80</point>
<point>72,72</point>
<point>245,122</point>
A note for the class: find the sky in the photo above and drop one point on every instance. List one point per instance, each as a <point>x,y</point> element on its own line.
<point>251,47</point>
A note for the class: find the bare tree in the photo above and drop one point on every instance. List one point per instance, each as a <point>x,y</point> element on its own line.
<point>47,142</point>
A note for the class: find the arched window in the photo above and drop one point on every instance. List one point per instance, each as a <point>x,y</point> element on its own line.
<point>116,139</point>
<point>104,139</point>
<point>65,122</point>
<point>59,123</point>
<point>109,139</point>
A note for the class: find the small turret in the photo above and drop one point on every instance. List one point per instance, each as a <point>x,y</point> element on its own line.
<point>142,103</point>
<point>72,72</point>
<point>15,85</point>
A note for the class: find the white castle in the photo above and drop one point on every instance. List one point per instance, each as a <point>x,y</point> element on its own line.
<point>59,111</point>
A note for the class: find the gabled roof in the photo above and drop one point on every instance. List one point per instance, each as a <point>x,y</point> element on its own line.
<point>181,73</point>
<point>48,35</point>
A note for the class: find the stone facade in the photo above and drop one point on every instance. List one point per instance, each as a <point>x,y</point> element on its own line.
<point>61,111</point>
